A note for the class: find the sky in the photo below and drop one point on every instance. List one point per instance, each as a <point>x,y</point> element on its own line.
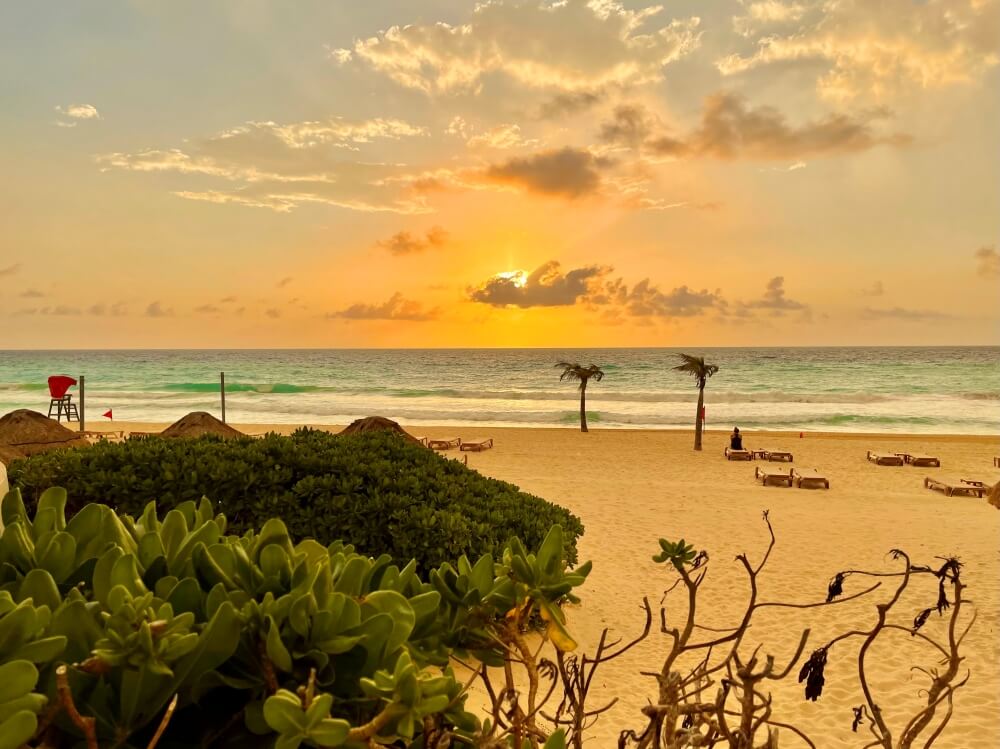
<point>436,173</point>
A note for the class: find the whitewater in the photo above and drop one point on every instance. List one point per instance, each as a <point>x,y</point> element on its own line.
<point>946,390</point>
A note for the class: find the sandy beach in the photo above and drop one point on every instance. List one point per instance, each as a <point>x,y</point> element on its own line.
<point>632,487</point>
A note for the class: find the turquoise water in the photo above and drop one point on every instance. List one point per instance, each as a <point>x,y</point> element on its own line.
<point>929,390</point>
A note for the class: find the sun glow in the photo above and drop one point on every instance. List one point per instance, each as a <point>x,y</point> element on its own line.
<point>517,277</point>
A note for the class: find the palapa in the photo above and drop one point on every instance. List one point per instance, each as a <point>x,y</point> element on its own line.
<point>29,432</point>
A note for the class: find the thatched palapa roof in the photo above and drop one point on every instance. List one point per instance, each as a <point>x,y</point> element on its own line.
<point>199,423</point>
<point>28,433</point>
<point>377,424</point>
<point>9,454</point>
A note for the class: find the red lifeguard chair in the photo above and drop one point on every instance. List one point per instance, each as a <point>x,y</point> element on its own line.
<point>62,402</point>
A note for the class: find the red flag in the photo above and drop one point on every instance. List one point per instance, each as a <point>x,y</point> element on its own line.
<point>107,415</point>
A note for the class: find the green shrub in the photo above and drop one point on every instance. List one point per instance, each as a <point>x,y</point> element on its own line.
<point>121,625</point>
<point>375,490</point>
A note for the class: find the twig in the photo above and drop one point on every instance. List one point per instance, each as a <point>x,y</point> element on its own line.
<point>86,725</point>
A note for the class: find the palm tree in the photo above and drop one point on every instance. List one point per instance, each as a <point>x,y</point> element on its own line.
<point>584,375</point>
<point>697,368</point>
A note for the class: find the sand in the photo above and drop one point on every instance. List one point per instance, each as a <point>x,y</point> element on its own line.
<point>632,487</point>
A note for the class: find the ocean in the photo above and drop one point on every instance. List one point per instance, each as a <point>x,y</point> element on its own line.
<point>946,390</point>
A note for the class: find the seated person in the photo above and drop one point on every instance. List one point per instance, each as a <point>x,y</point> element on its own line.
<point>736,439</point>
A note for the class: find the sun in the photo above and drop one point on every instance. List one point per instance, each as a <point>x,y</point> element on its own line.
<point>517,277</point>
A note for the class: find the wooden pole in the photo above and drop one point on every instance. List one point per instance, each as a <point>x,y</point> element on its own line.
<point>222,389</point>
<point>83,403</point>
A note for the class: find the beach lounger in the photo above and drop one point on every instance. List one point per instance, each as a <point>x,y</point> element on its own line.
<point>884,459</point>
<point>93,436</point>
<point>810,478</point>
<point>926,461</point>
<point>444,444</point>
<point>738,454</point>
<point>772,476</point>
<point>478,445</point>
<point>950,487</point>
<point>776,456</point>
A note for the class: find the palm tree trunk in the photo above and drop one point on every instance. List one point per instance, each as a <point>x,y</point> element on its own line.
<point>583,407</point>
<point>697,418</point>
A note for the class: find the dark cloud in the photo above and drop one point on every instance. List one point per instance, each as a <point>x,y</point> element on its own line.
<point>899,313</point>
<point>774,298</point>
<point>207,309</point>
<point>570,102</point>
<point>10,270</point>
<point>31,294</point>
<point>60,310</point>
<point>273,313</point>
<point>118,309</point>
<point>396,308</point>
<point>284,282</point>
<point>227,300</point>
<point>546,286</point>
<point>406,243</point>
<point>155,309</point>
<point>730,129</point>
<point>647,300</point>
<point>567,172</point>
<point>988,262</point>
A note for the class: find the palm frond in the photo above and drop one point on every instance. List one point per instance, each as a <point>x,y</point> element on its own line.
<point>575,371</point>
<point>696,367</point>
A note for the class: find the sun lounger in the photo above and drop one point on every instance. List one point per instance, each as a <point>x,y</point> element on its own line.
<point>925,461</point>
<point>772,476</point>
<point>141,435</point>
<point>738,454</point>
<point>776,455</point>
<point>444,444</point>
<point>478,445</point>
<point>885,459</point>
<point>950,488</point>
<point>93,436</point>
<point>810,478</point>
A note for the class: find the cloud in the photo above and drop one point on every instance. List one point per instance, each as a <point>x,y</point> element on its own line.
<point>574,45</point>
<point>335,132</point>
<point>899,313</point>
<point>759,14</point>
<point>406,243</point>
<point>732,129</point>
<point>273,313</point>
<point>988,262</point>
<point>59,310</point>
<point>80,111</point>
<point>155,309</point>
<point>878,49</point>
<point>647,300</point>
<point>31,294</point>
<point>395,308</point>
<point>774,302</point>
<point>283,167</point>
<point>207,309</point>
<point>567,103</point>
<point>566,172</point>
<point>100,309</point>
<point>76,113</point>
<point>10,270</point>
<point>876,289</point>
<point>228,300</point>
<point>284,282</point>
<point>546,286</point>
<point>502,136</point>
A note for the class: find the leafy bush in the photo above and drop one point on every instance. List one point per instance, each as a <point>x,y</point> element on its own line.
<point>375,490</point>
<point>133,630</point>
